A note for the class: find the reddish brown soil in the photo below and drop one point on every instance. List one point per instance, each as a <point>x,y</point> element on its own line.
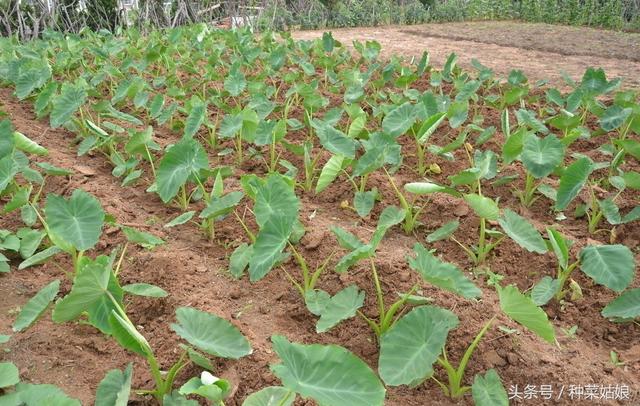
<point>194,272</point>
<point>541,51</point>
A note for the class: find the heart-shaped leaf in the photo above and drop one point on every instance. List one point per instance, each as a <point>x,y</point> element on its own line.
<point>329,374</point>
<point>211,334</point>
<point>610,265</point>
<point>409,349</point>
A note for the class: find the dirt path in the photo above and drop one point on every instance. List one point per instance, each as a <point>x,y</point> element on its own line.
<point>542,51</point>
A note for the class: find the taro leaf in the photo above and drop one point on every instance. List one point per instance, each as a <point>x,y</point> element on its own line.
<point>70,99</point>
<point>442,274</point>
<point>40,257</point>
<point>211,334</point>
<point>364,202</point>
<point>624,307</point>
<point>346,239</point>
<point>559,246</point>
<point>239,260</point>
<point>399,120</point>
<point>9,374</point>
<point>36,306</point>
<point>176,399</point>
<point>33,75</point>
<point>360,253</point>
<point>390,216</point>
<point>523,310</point>
<point>197,358</point>
<point>127,336</point>
<point>541,156</point>
<point>522,232</point>
<point>6,139</point>
<point>144,239</point>
<point>572,181</point>
<point>182,160</point>
<point>631,147</point>
<point>221,206</point>
<point>36,395</point>
<point>214,392</point>
<point>28,146</point>
<point>545,290</point>
<point>409,349</point>
<point>145,289</point>
<point>458,113</point>
<point>528,118</point>
<point>195,119</point>
<point>343,305</point>
<point>271,396</point>
<point>330,172</point>
<point>614,117</point>
<point>444,231</point>
<point>8,169</point>
<point>93,289</point>
<point>424,188</point>
<point>29,241</point>
<point>76,221</point>
<point>114,389</point>
<point>610,265</point>
<point>181,219</point>
<point>328,374</point>
<point>512,148</point>
<point>484,207</point>
<point>429,126</point>
<point>488,390</point>
<point>316,301</point>
<point>336,141</point>
<point>53,170</point>
<point>276,210</point>
<point>235,83</point>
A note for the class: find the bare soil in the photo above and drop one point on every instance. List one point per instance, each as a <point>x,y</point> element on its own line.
<point>194,272</point>
<point>542,51</point>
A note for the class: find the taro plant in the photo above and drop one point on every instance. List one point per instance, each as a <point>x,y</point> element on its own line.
<point>610,265</point>
<point>275,209</point>
<point>347,380</point>
<point>97,293</point>
<point>359,251</point>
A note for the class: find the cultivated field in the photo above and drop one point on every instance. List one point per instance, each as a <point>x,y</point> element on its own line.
<point>207,199</point>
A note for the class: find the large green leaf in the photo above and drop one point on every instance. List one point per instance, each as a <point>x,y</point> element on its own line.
<point>220,206</point>
<point>523,310</point>
<point>77,221</point>
<point>390,216</point>
<point>443,231</point>
<point>572,181</point>
<point>184,159</point>
<point>70,99</point>
<point>235,83</point>
<point>522,232</point>
<point>9,374</point>
<point>211,334</point>
<point>343,305</point>
<point>363,202</point>
<point>330,172</point>
<point>442,274</point>
<point>488,390</point>
<point>90,294</point>
<point>36,306</point>
<point>399,120</point>
<point>483,206</point>
<point>276,210</point>
<point>271,396</point>
<point>614,117</point>
<point>610,265</point>
<point>409,349</point>
<point>40,257</point>
<point>328,374</point>
<point>114,388</point>
<point>541,156</point>
<point>624,307</point>
<point>195,118</point>
<point>8,169</point>
<point>37,395</point>
<point>544,290</point>
<point>336,141</point>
